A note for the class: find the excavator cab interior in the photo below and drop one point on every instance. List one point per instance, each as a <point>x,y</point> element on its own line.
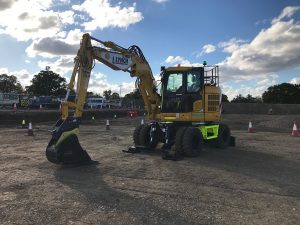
<point>181,88</point>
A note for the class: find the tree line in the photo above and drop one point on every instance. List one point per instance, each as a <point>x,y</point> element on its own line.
<point>48,83</point>
<point>284,93</point>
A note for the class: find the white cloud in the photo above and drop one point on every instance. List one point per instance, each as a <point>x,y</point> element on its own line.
<point>74,36</point>
<point>63,65</point>
<point>206,49</point>
<point>51,47</point>
<point>46,28</point>
<point>98,81</point>
<point>244,90</point>
<point>232,45</point>
<point>287,12</point>
<point>174,60</point>
<point>5,4</point>
<point>98,84</point>
<point>104,15</point>
<point>66,17</point>
<point>23,76</point>
<point>274,49</point>
<point>3,71</point>
<point>295,80</point>
<point>32,19</point>
<point>160,1</point>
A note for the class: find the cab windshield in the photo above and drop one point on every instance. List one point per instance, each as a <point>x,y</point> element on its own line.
<point>174,82</point>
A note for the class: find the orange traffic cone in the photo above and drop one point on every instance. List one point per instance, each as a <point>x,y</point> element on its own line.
<point>30,130</point>
<point>107,125</point>
<point>250,128</point>
<point>295,132</point>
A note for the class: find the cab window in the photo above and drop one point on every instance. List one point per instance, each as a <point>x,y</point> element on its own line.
<point>174,82</point>
<point>193,82</point>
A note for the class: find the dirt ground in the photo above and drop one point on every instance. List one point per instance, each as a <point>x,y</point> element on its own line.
<point>256,182</point>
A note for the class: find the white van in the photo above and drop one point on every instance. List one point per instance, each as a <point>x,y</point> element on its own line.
<point>96,103</point>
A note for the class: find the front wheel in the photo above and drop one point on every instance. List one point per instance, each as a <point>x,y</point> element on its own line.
<point>192,141</point>
<point>145,139</point>
<point>136,135</point>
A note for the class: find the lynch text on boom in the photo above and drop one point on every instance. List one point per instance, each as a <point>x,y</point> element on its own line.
<point>119,60</point>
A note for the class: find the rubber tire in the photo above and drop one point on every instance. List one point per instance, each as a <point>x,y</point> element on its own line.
<point>223,139</point>
<point>136,135</point>
<point>192,141</point>
<point>178,139</point>
<point>144,137</point>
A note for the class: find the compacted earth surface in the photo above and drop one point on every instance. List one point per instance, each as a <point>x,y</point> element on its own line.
<point>255,182</point>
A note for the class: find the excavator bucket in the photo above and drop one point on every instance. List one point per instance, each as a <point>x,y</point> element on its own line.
<point>64,147</point>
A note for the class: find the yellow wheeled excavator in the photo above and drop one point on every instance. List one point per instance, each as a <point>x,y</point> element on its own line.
<point>184,115</point>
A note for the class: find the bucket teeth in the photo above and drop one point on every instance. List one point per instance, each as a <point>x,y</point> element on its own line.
<point>67,152</point>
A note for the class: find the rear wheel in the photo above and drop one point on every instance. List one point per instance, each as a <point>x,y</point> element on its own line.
<point>192,142</point>
<point>145,139</point>
<point>136,135</point>
<point>223,139</point>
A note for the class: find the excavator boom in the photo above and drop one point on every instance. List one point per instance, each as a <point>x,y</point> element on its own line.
<point>64,147</point>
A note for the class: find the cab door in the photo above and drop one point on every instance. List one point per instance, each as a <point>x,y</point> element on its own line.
<point>173,92</point>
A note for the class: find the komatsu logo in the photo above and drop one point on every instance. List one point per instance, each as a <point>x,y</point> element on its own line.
<point>119,60</point>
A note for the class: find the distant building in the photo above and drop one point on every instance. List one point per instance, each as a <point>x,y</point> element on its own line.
<point>8,99</point>
<point>96,103</point>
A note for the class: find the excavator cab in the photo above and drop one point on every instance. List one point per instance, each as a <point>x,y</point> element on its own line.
<point>181,87</point>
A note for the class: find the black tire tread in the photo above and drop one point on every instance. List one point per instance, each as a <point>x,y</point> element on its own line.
<point>144,137</point>
<point>136,135</point>
<point>187,142</point>
<point>178,139</point>
<point>219,141</point>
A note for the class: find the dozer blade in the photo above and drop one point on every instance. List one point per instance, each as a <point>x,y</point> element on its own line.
<point>64,147</point>
<point>68,151</point>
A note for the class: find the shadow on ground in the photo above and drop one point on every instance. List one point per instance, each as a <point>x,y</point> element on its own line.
<point>87,180</point>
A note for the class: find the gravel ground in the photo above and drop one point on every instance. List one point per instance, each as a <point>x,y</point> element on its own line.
<point>256,182</point>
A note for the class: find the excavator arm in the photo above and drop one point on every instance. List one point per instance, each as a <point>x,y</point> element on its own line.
<point>64,147</point>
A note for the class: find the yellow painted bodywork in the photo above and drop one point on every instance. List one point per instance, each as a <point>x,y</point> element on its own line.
<point>139,68</point>
<point>201,112</point>
<point>82,70</point>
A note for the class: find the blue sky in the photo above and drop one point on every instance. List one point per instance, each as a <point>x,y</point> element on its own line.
<point>256,43</point>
